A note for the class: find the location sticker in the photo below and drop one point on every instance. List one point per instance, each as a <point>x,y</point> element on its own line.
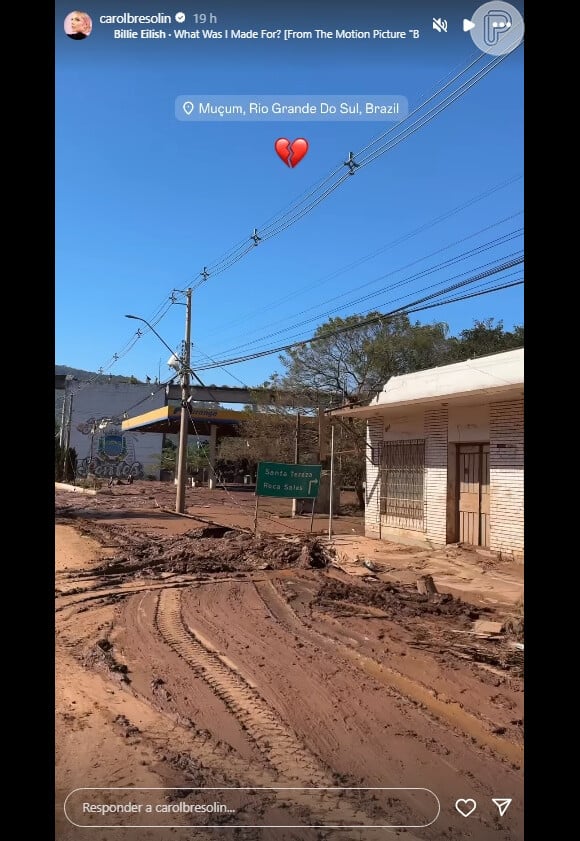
<point>188,107</point>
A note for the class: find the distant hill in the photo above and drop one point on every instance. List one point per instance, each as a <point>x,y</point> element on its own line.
<point>79,374</point>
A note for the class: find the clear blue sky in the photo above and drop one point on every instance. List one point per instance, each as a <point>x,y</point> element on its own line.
<point>144,201</point>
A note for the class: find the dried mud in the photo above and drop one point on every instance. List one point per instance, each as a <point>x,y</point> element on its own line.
<point>215,658</point>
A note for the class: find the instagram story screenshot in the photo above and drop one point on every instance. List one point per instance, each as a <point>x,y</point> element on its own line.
<point>289,421</point>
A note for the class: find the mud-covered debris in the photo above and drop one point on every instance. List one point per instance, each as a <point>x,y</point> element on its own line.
<point>229,550</point>
<point>158,689</point>
<point>313,554</point>
<point>123,725</point>
<point>211,531</point>
<point>100,656</point>
<point>190,770</point>
<point>370,565</point>
<point>491,652</point>
<point>514,626</point>
<point>395,600</point>
<point>426,585</point>
<point>487,628</point>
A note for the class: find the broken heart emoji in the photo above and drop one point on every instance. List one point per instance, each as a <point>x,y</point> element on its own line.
<point>291,152</point>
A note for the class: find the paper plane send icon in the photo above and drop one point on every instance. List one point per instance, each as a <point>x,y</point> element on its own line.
<point>502,804</point>
<point>467,25</point>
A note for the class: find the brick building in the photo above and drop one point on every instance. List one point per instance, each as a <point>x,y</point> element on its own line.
<point>445,455</point>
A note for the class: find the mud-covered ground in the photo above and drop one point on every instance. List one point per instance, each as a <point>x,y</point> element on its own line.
<point>191,653</point>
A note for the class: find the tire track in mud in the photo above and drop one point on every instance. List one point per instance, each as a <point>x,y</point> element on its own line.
<point>196,752</point>
<point>277,743</point>
<point>397,684</point>
<point>105,589</point>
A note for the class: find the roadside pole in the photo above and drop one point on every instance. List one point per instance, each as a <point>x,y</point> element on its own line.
<point>256,516</point>
<point>184,424</point>
<point>296,457</point>
<point>331,500</point>
<point>67,436</point>
<point>62,430</point>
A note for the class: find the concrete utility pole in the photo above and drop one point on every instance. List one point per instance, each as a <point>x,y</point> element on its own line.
<point>184,362</point>
<point>296,458</point>
<point>62,430</point>
<point>184,425</point>
<point>330,505</point>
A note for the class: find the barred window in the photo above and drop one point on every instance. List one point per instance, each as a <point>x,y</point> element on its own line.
<point>402,483</point>
<point>377,455</point>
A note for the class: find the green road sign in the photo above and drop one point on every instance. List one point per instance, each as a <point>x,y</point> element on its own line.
<point>295,481</point>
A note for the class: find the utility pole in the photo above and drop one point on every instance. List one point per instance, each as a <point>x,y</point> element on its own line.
<point>62,430</point>
<point>184,425</point>
<point>184,362</point>
<point>296,457</point>
<point>67,436</point>
<point>330,503</point>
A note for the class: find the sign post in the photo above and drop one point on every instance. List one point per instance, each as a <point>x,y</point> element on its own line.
<point>256,516</point>
<point>290,481</point>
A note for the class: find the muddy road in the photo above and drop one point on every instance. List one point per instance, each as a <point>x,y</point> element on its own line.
<point>191,656</point>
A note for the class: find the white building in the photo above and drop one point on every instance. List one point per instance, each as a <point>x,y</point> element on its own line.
<point>93,415</point>
<point>445,455</point>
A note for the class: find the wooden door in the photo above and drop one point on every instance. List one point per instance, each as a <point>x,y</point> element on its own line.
<point>484,499</point>
<point>473,478</point>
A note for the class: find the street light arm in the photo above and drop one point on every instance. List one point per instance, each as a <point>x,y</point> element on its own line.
<point>185,367</point>
<point>153,330</point>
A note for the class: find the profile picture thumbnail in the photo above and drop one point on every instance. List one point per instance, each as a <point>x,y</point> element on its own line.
<point>78,25</point>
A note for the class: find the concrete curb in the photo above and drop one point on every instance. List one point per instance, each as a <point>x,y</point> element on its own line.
<point>74,489</point>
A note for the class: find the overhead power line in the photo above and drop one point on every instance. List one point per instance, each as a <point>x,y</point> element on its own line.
<point>391,244</point>
<point>305,204</point>
<point>477,250</point>
<point>399,132</point>
<point>326,334</point>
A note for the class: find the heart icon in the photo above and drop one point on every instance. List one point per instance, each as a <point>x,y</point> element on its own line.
<point>465,807</point>
<point>291,152</point>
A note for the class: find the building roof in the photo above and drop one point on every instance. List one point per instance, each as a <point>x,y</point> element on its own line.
<point>167,419</point>
<point>496,377</point>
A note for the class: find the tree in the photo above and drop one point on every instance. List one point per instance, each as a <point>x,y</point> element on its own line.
<point>197,457</point>
<point>65,463</point>
<point>268,435</point>
<point>484,338</point>
<point>352,363</point>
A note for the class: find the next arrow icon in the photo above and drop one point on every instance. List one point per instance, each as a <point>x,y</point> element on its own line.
<point>310,483</point>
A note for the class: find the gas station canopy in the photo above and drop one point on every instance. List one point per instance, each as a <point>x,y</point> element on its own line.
<point>167,420</point>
